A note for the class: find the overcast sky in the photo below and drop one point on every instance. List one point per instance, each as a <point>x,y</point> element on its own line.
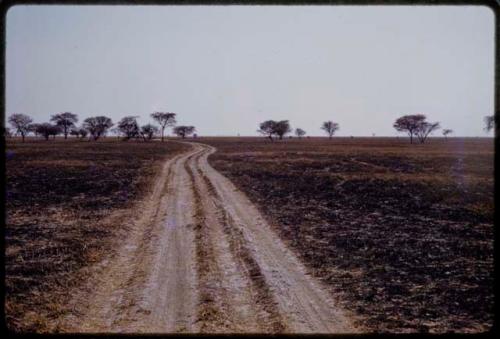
<point>224,69</point>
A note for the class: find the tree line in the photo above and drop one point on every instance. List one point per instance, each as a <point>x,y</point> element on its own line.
<point>416,126</point>
<point>96,127</point>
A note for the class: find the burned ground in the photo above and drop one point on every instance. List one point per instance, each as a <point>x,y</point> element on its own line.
<point>403,233</point>
<point>59,195</point>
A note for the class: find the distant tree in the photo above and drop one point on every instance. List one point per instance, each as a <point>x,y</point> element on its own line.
<point>66,120</point>
<point>416,125</point>
<point>56,130</point>
<point>267,128</point>
<point>164,119</point>
<point>6,132</point>
<point>33,128</point>
<point>425,128</point>
<point>79,132</point>
<point>330,128</point>
<point>489,122</point>
<point>97,126</point>
<point>47,129</point>
<point>409,124</point>
<point>446,132</point>
<point>83,132</point>
<point>21,123</point>
<point>299,132</point>
<point>281,128</point>
<point>129,127</point>
<point>148,131</point>
<point>183,131</point>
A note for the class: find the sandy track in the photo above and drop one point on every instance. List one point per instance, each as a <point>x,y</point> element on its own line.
<point>201,258</point>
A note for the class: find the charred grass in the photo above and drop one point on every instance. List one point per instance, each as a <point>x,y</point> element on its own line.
<point>403,233</point>
<point>59,197</point>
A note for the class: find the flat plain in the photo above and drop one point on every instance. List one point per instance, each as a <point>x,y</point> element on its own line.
<point>402,233</point>
<point>101,236</point>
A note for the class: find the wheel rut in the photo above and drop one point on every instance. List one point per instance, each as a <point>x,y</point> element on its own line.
<point>200,258</point>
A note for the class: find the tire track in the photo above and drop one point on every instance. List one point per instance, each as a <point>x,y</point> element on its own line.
<point>302,303</point>
<point>212,315</point>
<point>241,270</point>
<point>148,287</point>
<point>201,258</point>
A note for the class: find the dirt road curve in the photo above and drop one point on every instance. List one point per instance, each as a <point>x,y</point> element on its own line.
<point>201,258</point>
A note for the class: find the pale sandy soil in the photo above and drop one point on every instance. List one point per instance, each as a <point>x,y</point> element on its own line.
<point>202,258</point>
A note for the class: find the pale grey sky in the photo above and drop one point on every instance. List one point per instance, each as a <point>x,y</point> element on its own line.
<point>224,69</point>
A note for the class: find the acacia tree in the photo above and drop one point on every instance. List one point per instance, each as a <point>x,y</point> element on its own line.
<point>415,125</point>
<point>330,128</point>
<point>79,132</point>
<point>267,128</point>
<point>409,124</point>
<point>164,119</point>
<point>489,122</point>
<point>281,128</point>
<point>183,131</point>
<point>66,120</point>
<point>21,123</point>
<point>33,128</point>
<point>425,128</point>
<point>128,127</point>
<point>299,132</point>
<point>446,132</point>
<point>47,129</point>
<point>148,131</point>
<point>97,126</point>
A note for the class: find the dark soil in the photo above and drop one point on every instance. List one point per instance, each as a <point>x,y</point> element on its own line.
<point>58,195</point>
<point>403,233</point>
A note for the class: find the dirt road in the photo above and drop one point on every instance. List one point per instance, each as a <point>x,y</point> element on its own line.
<point>201,258</point>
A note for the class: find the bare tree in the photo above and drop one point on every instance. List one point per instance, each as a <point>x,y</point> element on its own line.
<point>164,119</point>
<point>489,122</point>
<point>66,120</point>
<point>129,127</point>
<point>446,132</point>
<point>6,132</point>
<point>183,131</point>
<point>148,131</point>
<point>267,128</point>
<point>21,123</point>
<point>425,128</point>
<point>281,128</point>
<point>299,132</point>
<point>330,128</point>
<point>409,124</point>
<point>97,126</point>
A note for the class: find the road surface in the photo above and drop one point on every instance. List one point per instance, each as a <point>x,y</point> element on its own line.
<point>202,259</point>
